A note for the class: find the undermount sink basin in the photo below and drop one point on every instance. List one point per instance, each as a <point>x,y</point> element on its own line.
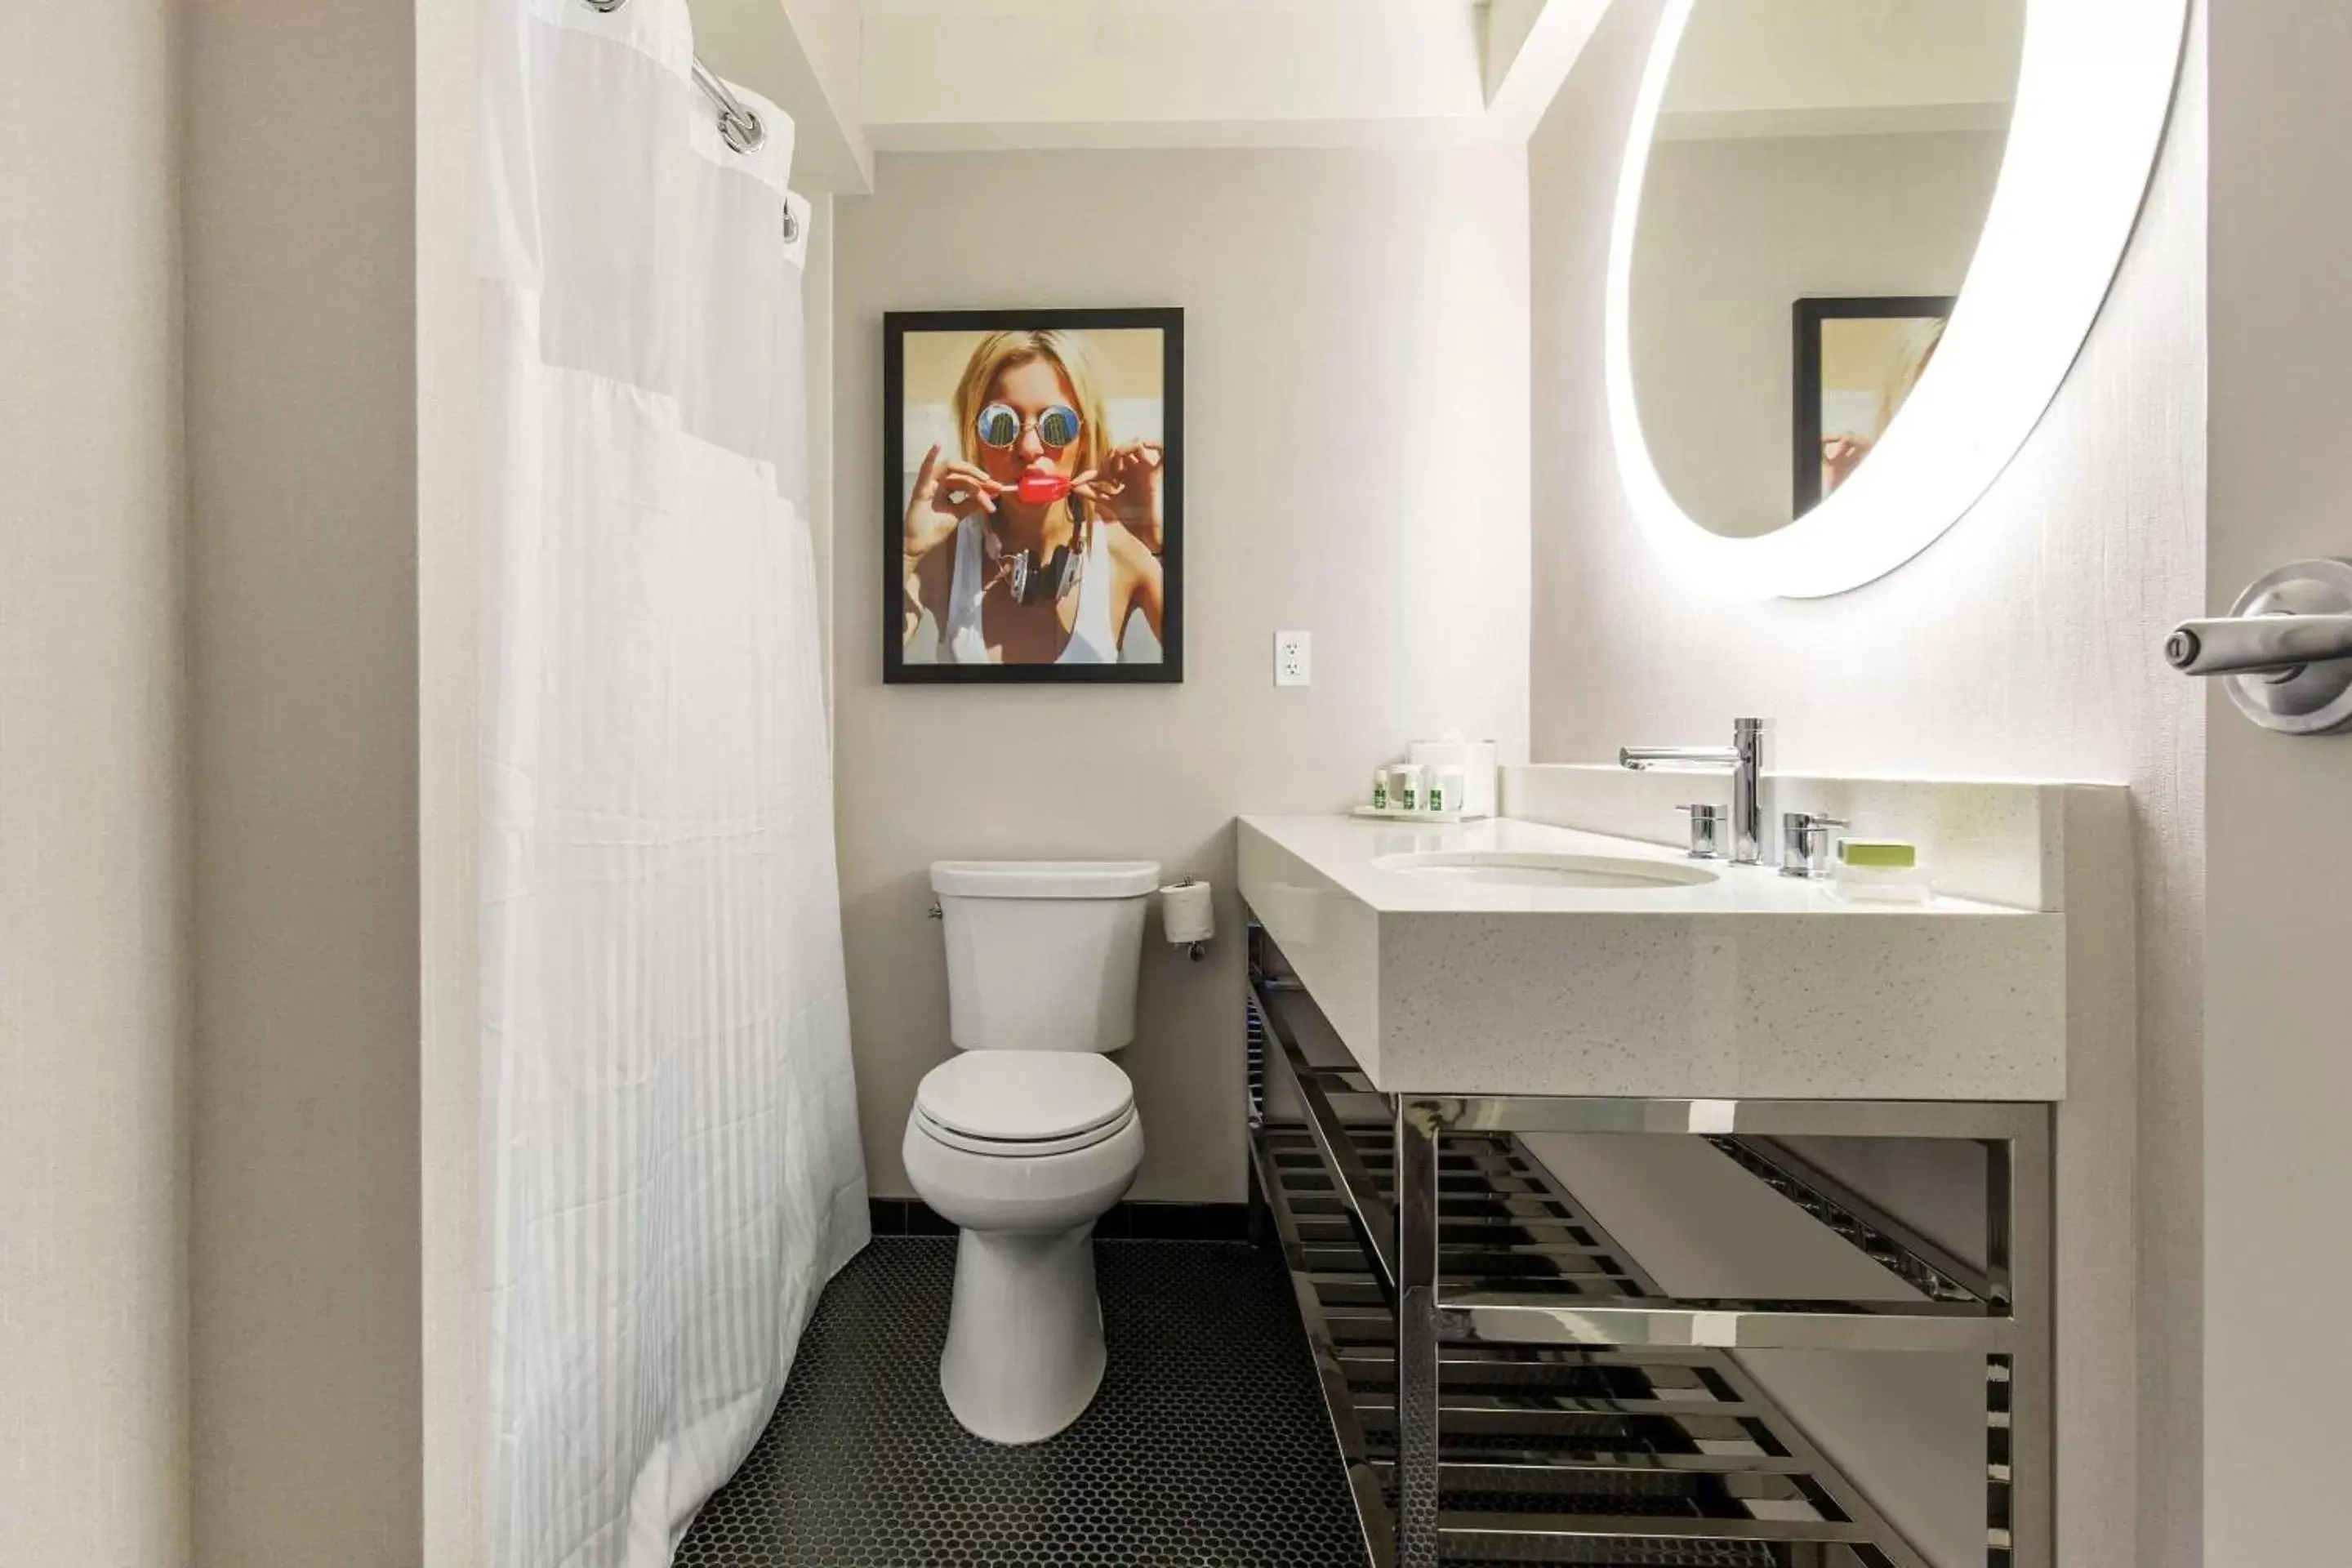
<point>1535,868</point>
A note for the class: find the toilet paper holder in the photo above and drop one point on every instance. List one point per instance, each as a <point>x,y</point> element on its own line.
<point>1196,948</point>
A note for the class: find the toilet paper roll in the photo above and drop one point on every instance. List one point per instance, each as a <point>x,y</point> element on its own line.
<point>1186,913</point>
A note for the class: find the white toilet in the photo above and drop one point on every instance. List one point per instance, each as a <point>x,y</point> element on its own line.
<point>1028,1135</point>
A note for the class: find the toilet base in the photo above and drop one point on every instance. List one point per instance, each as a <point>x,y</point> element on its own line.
<point>1024,1351</point>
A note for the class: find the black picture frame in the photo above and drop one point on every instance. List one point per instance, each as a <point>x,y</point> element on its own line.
<point>1168,321</point>
<point>1809,314</point>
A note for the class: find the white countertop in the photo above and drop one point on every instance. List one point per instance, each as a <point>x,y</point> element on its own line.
<point>1344,848</point>
<point>1753,985</point>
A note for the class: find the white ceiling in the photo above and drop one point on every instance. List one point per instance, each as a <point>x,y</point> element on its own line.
<point>1777,68</point>
<point>989,74</point>
<point>1163,72</point>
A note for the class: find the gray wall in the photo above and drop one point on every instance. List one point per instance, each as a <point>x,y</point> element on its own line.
<point>1355,465</point>
<point>2022,643</point>
<point>93,801</point>
<point>300,236</point>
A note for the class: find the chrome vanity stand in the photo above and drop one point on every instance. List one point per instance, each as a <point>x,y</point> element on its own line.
<point>1505,1384</point>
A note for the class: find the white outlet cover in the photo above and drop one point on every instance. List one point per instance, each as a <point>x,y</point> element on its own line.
<point>1294,659</point>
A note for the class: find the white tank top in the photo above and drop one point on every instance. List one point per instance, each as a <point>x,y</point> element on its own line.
<point>1092,638</point>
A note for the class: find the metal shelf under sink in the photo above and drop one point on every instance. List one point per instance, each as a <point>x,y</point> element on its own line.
<point>1560,1425</point>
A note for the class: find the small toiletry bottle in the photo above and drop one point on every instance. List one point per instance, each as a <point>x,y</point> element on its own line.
<point>1380,789</point>
<point>1408,789</point>
<point>1451,787</point>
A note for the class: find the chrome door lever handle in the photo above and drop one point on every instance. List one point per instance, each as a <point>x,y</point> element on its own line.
<point>2249,644</point>
<point>2284,652</point>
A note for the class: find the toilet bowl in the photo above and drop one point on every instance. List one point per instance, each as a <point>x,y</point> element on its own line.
<point>1024,1187</point>
<point>1026,1137</point>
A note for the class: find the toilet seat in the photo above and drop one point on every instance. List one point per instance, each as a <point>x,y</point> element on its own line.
<point>1025,1149</point>
<point>1024,1104</point>
<point>1031,1186</point>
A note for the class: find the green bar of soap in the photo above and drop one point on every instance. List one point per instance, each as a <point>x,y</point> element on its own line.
<point>1888,853</point>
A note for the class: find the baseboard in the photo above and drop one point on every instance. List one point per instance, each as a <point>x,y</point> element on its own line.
<point>1125,1222</point>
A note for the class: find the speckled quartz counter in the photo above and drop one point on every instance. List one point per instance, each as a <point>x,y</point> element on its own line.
<point>1754,985</point>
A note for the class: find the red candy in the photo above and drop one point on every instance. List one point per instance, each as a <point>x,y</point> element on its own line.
<point>1036,490</point>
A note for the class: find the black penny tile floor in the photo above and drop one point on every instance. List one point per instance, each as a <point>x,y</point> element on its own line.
<point>1206,1446</point>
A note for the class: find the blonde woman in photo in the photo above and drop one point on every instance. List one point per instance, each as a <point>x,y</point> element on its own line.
<point>1842,452</point>
<point>1040,538</point>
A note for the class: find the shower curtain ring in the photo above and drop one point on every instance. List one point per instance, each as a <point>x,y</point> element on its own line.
<point>744,132</point>
<point>739,126</point>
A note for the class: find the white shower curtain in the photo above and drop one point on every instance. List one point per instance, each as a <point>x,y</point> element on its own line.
<point>673,1157</point>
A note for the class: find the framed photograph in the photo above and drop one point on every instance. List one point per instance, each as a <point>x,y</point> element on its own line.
<point>1856,360</point>
<point>1032,467</point>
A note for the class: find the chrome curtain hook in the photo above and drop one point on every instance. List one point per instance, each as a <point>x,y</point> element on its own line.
<point>743,132</point>
<point>740,127</point>
<point>738,124</point>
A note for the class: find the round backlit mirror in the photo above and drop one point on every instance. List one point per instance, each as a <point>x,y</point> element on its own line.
<point>1857,246</point>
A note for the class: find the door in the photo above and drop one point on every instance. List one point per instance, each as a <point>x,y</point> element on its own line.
<point>2278,1024</point>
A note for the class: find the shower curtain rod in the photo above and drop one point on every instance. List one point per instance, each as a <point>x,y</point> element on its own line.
<point>740,125</point>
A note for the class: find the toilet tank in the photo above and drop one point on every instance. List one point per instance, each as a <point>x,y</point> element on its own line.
<point>1042,954</point>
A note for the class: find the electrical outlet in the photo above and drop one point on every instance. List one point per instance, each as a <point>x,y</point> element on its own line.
<point>1293,662</point>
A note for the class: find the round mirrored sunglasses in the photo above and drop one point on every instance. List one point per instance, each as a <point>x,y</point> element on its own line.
<point>1000,425</point>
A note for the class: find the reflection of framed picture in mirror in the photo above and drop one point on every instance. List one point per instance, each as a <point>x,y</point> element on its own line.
<point>1857,361</point>
<point>1032,496</point>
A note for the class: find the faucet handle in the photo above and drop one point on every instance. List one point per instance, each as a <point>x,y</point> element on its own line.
<point>1805,843</point>
<point>1705,831</point>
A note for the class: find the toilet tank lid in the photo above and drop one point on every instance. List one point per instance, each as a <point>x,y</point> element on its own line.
<point>1044,879</point>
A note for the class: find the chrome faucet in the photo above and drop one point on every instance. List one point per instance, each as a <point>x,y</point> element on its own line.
<point>1743,759</point>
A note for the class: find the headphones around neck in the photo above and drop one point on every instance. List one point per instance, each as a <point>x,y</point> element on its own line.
<point>1058,578</point>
